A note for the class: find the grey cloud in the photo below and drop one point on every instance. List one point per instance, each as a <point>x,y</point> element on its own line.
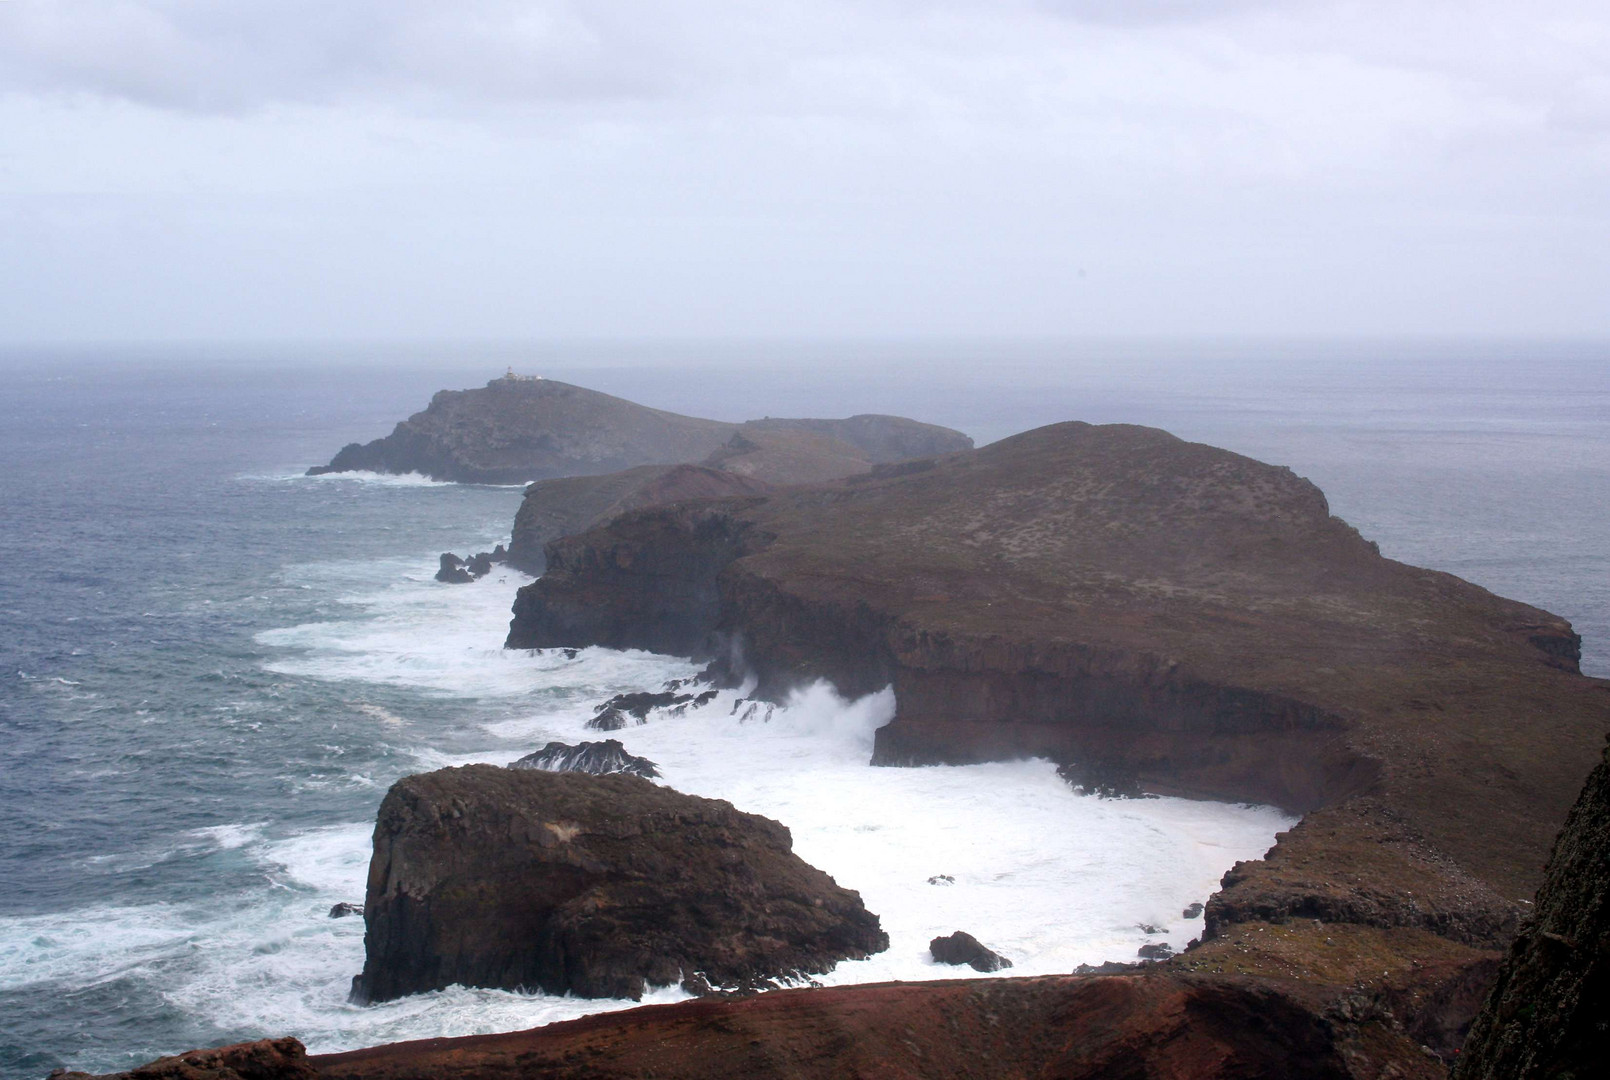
<point>207,56</point>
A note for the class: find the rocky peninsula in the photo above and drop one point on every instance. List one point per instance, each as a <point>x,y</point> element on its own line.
<point>519,429</point>
<point>1181,618</point>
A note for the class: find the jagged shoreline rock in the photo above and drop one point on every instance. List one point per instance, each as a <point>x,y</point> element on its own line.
<point>593,758</point>
<point>598,886</point>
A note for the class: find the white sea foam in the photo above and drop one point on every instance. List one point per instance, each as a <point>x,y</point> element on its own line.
<point>1048,878</point>
<point>411,479</point>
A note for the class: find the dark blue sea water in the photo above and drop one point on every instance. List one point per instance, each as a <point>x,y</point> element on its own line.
<point>212,667</point>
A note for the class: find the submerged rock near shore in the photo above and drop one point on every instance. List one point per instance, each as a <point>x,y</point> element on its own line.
<point>598,886</point>
<point>1162,617</point>
<point>518,429</point>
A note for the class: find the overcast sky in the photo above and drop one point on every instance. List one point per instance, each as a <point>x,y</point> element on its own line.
<point>196,169</point>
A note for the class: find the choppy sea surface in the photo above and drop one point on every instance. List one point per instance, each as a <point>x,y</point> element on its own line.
<point>212,667</point>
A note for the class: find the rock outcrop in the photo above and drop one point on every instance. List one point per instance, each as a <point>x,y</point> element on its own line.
<point>593,758</point>
<point>1548,1015</point>
<point>963,948</point>
<point>598,886</point>
<point>760,455</point>
<point>519,429</point>
<point>1154,614</point>
<point>456,571</point>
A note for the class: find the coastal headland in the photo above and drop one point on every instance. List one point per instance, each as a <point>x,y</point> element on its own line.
<point>1157,617</point>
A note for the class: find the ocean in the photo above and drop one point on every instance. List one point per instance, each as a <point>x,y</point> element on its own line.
<point>212,667</point>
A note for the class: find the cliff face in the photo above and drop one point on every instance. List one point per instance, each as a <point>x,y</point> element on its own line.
<point>591,885</point>
<point>516,430</point>
<point>1549,1013</point>
<point>1173,616</point>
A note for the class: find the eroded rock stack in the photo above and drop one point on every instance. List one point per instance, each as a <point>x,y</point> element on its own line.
<point>597,886</point>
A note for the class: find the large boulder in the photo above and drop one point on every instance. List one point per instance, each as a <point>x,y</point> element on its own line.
<point>598,886</point>
<point>1549,1014</point>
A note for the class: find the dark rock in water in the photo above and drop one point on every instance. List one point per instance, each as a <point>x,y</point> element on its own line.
<point>597,758</point>
<point>1548,1015</point>
<point>458,571</point>
<point>452,570</point>
<point>961,948</point>
<point>1160,950</point>
<point>570,654</point>
<point>1148,928</point>
<point>941,879</point>
<point>343,909</point>
<point>625,710</point>
<point>1103,779</point>
<point>1192,912</point>
<point>597,886</point>
<point>265,1059</point>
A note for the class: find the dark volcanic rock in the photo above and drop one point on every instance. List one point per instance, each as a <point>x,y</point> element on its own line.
<point>1192,621</point>
<point>1157,950</point>
<point>1549,1014</point>
<point>962,948</point>
<point>1194,911</point>
<point>592,885</point>
<point>596,758</point>
<point>343,909</point>
<point>452,570</point>
<point>624,710</point>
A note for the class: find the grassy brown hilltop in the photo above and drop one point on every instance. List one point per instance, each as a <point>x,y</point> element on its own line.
<point>1155,612</point>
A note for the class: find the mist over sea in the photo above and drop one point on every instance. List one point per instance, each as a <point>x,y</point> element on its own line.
<point>212,667</point>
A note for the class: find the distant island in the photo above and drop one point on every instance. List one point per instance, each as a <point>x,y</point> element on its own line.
<point>521,428</point>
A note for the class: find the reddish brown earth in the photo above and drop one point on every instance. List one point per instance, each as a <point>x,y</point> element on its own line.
<point>1177,617</point>
<point>1134,1027</point>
